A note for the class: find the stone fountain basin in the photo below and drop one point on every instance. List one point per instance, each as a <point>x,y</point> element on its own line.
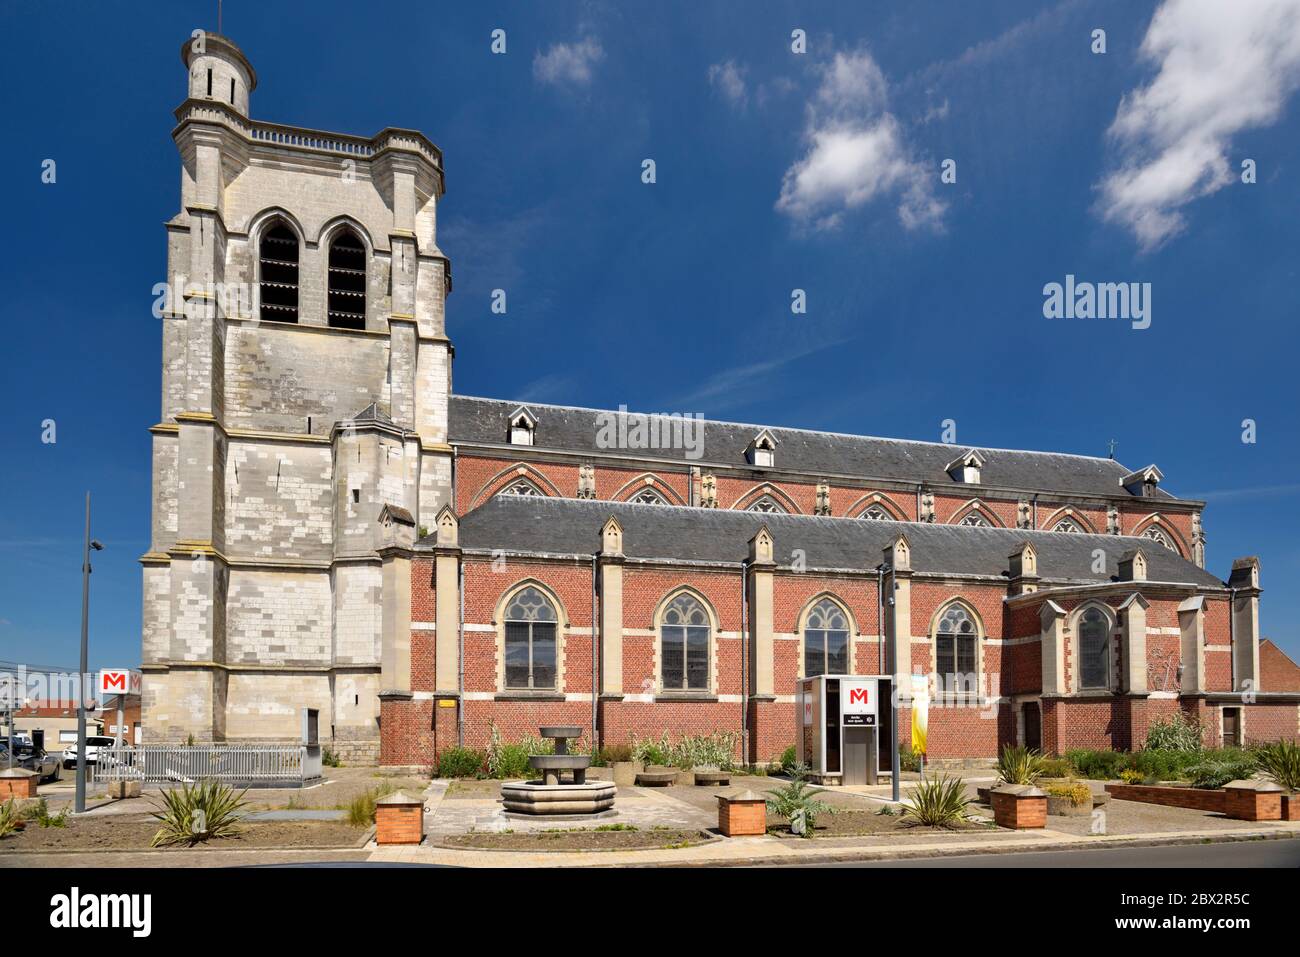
<point>561,731</point>
<point>559,762</point>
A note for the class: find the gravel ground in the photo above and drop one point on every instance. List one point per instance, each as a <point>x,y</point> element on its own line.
<point>576,840</point>
<point>1134,817</point>
<point>134,833</point>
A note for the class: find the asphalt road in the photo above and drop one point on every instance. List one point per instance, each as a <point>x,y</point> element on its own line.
<point>1276,853</point>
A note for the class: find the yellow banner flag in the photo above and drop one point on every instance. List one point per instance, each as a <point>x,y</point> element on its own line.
<point>920,712</point>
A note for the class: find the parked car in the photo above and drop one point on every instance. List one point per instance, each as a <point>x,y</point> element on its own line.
<point>94,743</point>
<point>33,759</point>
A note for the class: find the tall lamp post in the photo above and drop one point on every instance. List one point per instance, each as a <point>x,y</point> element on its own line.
<point>85,663</point>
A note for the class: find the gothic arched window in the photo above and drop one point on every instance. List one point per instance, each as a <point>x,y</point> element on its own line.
<point>826,640</point>
<point>955,644</point>
<point>277,257</point>
<point>1157,534</point>
<point>976,519</point>
<point>684,640</point>
<point>1066,525</point>
<point>530,622</point>
<point>648,497</point>
<point>520,487</point>
<point>767,504</point>
<point>1094,649</point>
<point>347,281</point>
<point>876,513</point>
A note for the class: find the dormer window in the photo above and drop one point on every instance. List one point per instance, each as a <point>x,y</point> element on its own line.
<point>1144,482</point>
<point>523,427</point>
<point>762,450</point>
<point>966,467</point>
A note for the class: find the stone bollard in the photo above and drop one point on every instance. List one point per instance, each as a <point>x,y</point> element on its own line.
<point>742,815</point>
<point>18,783</point>
<point>1249,800</point>
<point>399,820</point>
<point>120,790</point>
<point>1019,806</point>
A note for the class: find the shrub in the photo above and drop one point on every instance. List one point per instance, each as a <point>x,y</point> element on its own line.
<point>1217,771</point>
<point>10,818</point>
<point>40,813</point>
<point>1163,765</point>
<point>461,763</point>
<point>1132,776</point>
<point>193,813</point>
<point>693,750</point>
<point>938,802</point>
<point>1078,792</point>
<point>1103,765</point>
<point>789,758</point>
<point>908,760</point>
<point>1017,765</point>
<point>650,751</point>
<point>1056,768</point>
<point>795,803</point>
<point>330,759</point>
<point>1281,761</point>
<point>1178,733</point>
<point>616,753</point>
<point>506,760</point>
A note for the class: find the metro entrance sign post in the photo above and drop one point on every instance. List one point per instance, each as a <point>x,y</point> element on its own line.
<point>120,682</point>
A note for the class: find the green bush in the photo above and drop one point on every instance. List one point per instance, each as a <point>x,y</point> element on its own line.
<point>693,750</point>
<point>1163,765</point>
<point>795,802</point>
<point>615,753</point>
<point>1219,769</point>
<point>908,760</point>
<point>361,809</point>
<point>193,813</point>
<point>330,759</point>
<point>789,758</point>
<point>40,813</point>
<point>1019,765</point>
<point>1057,768</point>
<point>461,763</point>
<point>938,802</point>
<point>1281,761</point>
<point>1101,765</point>
<point>10,818</point>
<point>1178,733</point>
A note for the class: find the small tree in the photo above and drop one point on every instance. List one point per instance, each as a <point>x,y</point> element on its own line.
<point>795,803</point>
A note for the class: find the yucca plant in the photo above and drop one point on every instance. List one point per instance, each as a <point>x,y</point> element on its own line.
<point>1281,761</point>
<point>1018,765</point>
<point>198,812</point>
<point>938,802</point>
<point>795,803</point>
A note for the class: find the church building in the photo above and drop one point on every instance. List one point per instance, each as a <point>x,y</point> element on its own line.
<point>335,528</point>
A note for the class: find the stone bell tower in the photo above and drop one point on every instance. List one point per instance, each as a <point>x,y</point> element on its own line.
<point>306,376</point>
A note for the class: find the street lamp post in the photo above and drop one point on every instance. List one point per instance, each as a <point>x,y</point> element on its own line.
<point>85,663</point>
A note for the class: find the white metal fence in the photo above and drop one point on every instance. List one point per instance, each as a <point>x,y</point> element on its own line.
<point>245,765</point>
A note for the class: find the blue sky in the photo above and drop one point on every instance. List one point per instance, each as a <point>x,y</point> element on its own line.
<point>775,171</point>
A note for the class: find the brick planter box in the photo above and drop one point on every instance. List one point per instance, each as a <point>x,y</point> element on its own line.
<point>1019,806</point>
<point>1198,799</point>
<point>1253,801</point>
<point>742,815</point>
<point>399,820</point>
<point>18,783</point>
<point>1291,807</point>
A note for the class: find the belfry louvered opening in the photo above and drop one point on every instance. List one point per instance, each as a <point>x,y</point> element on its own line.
<point>278,255</point>
<point>347,281</point>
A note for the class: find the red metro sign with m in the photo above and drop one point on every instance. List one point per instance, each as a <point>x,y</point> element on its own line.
<point>858,701</point>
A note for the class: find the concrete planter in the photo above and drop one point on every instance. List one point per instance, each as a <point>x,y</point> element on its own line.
<point>686,779</point>
<point>1253,800</point>
<point>1019,807</point>
<point>625,773</point>
<point>1062,807</point>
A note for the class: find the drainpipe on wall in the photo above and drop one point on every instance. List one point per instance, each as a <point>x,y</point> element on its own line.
<point>1035,516</point>
<point>595,674</point>
<point>1232,639</point>
<point>460,656</point>
<point>880,618</point>
<point>744,660</point>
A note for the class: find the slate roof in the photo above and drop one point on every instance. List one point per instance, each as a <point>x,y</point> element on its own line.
<point>558,526</point>
<point>484,421</point>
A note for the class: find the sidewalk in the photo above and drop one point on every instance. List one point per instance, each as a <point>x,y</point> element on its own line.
<point>767,851</point>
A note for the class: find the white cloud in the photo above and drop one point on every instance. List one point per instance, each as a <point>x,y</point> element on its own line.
<point>856,153</point>
<point>1222,69</point>
<point>568,63</point>
<point>729,79</point>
